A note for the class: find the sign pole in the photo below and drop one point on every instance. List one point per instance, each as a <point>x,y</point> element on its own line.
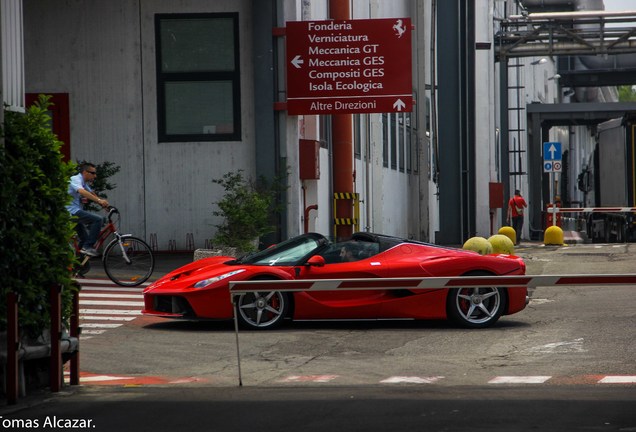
<point>552,160</point>
<point>553,209</point>
<point>236,333</point>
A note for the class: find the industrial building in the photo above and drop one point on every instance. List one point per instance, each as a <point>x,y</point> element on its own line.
<point>487,86</point>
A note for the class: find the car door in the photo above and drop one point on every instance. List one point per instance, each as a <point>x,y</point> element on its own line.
<point>342,304</point>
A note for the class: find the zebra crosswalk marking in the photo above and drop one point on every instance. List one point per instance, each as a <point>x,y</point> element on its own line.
<point>105,306</point>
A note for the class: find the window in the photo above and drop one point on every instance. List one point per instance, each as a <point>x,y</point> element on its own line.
<point>401,139</point>
<point>198,77</point>
<point>385,140</point>
<point>324,126</point>
<point>395,126</point>
<point>357,136</point>
<point>410,151</point>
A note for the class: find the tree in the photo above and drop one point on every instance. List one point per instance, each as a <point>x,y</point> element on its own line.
<point>627,93</point>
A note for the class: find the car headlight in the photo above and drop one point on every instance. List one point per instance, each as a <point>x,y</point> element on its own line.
<point>207,282</point>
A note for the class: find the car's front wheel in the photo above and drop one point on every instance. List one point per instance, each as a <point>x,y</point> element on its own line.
<point>476,307</point>
<point>262,310</point>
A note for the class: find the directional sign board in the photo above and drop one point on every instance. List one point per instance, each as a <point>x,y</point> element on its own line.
<point>349,66</point>
<point>552,157</point>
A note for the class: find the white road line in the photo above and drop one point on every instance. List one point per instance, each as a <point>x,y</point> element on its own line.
<point>106,318</point>
<point>411,379</point>
<point>110,289</point>
<point>110,303</point>
<point>91,332</point>
<point>618,379</point>
<point>109,312</point>
<point>101,378</point>
<point>310,378</point>
<point>100,325</point>
<point>113,296</point>
<point>102,282</point>
<point>519,380</point>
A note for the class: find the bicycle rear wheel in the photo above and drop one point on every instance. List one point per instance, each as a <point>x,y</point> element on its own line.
<point>129,261</point>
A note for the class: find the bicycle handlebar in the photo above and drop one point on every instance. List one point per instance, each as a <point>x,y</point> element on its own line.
<point>111,211</point>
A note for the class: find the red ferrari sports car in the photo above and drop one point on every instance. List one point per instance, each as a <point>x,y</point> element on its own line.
<point>200,290</point>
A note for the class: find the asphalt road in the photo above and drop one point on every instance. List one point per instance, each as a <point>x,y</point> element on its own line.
<point>565,363</point>
<point>336,408</point>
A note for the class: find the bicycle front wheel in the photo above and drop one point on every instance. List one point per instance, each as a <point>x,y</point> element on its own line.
<point>128,261</point>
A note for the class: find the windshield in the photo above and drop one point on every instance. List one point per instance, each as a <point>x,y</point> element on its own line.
<point>287,253</point>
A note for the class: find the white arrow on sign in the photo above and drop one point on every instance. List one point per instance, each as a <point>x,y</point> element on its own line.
<point>297,61</point>
<point>399,105</point>
<point>552,150</point>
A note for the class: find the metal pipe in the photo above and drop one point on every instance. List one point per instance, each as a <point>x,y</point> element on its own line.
<point>307,210</point>
<point>433,66</point>
<point>540,16</point>
<point>569,48</point>
<point>342,142</point>
<point>56,333</point>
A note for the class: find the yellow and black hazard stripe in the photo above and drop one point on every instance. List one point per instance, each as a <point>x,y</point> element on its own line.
<point>346,195</point>
<point>345,221</point>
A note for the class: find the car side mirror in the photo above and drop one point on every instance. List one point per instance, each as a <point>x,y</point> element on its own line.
<point>316,261</point>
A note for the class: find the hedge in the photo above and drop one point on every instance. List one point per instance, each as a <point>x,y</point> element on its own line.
<point>35,227</point>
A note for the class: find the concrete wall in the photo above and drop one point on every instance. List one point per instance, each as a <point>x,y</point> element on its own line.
<point>102,54</point>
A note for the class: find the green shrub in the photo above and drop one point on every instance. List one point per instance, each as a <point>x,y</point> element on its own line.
<point>246,209</point>
<point>35,227</point>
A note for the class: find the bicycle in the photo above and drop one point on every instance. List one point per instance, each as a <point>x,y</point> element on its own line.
<point>127,260</point>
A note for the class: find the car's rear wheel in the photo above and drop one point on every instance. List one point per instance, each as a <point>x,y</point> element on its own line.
<point>262,310</point>
<point>476,307</point>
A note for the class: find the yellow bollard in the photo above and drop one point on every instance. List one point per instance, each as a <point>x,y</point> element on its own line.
<point>553,236</point>
<point>509,232</point>
<point>478,244</point>
<point>501,244</point>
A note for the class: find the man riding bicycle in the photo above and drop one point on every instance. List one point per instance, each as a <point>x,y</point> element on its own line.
<point>80,190</point>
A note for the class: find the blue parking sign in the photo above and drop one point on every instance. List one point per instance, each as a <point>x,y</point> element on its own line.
<point>552,151</point>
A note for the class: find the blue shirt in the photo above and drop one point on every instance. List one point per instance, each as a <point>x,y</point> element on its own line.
<point>77,182</point>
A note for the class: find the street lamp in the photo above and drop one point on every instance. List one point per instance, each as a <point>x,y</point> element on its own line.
<point>542,60</point>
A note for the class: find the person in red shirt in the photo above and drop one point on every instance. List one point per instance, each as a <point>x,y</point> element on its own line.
<point>516,207</point>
